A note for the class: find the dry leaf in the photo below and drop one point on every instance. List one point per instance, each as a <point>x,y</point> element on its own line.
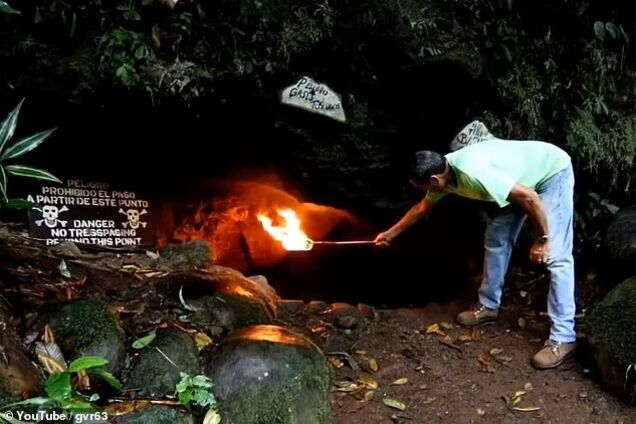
<point>522,323</point>
<point>483,359</point>
<point>400,381</point>
<point>373,364</point>
<point>496,351</point>
<point>361,352</point>
<point>368,381</point>
<point>51,357</point>
<point>212,417</point>
<point>465,338</point>
<point>528,387</point>
<point>368,396</point>
<point>202,340</point>
<point>481,412</point>
<point>392,403</point>
<point>433,328</point>
<point>503,358</point>
<point>474,334</point>
<point>346,386</point>
<point>335,362</point>
<point>447,341</point>
<point>447,325</point>
<point>526,409</point>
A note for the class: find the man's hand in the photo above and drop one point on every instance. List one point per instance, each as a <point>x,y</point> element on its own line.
<point>539,252</point>
<point>384,239</point>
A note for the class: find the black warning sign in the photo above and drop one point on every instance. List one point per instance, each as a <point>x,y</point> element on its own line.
<point>90,212</point>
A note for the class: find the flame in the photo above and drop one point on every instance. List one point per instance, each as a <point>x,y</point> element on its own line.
<point>291,236</point>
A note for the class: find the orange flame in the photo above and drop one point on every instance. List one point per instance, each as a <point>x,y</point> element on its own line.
<point>291,236</point>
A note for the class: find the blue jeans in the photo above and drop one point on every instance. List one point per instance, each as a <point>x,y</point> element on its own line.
<point>556,193</point>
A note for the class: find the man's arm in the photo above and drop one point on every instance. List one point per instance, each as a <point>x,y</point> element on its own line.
<point>530,202</point>
<point>416,213</point>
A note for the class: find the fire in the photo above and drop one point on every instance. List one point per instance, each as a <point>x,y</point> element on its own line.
<point>291,236</point>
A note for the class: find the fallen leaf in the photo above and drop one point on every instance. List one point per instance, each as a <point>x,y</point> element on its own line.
<point>526,409</point>
<point>346,386</point>
<point>400,381</point>
<point>447,325</point>
<point>465,338</point>
<point>528,387</point>
<point>522,323</point>
<point>335,362</point>
<point>495,351</point>
<point>202,340</point>
<point>503,358</point>
<point>475,334</point>
<point>429,400</point>
<point>395,404</point>
<point>373,364</point>
<point>483,359</point>
<point>433,328</point>
<point>51,357</point>
<point>481,412</point>
<point>361,352</point>
<point>447,341</point>
<point>212,417</point>
<point>368,381</point>
<point>368,396</point>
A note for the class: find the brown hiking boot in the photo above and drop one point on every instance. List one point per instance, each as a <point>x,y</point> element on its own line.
<point>476,315</point>
<point>553,354</point>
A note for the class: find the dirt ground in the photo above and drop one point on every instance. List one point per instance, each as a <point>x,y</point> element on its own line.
<point>466,383</point>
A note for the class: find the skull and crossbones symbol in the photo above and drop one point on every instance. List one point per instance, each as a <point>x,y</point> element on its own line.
<point>133,218</point>
<point>50,216</point>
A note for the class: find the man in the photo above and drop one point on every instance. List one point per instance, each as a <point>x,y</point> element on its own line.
<point>525,178</point>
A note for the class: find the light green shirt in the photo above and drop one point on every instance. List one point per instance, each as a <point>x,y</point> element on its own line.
<point>488,170</point>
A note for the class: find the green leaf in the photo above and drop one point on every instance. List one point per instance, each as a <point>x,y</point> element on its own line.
<point>64,272</point>
<point>85,362</point>
<point>78,404</point>
<point>202,381</point>
<point>212,417</point>
<point>184,384</point>
<point>144,341</point>
<point>185,398</point>
<point>612,29</point>
<point>26,144</point>
<point>612,208</point>
<point>7,128</point>
<point>3,184</point>
<point>36,401</point>
<point>106,377</point>
<point>58,386</point>
<point>5,8</point>
<point>29,172</point>
<point>599,30</point>
<point>20,204</point>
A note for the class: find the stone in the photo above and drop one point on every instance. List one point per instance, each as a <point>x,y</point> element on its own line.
<point>346,322</point>
<point>268,374</point>
<point>87,328</point>
<point>612,339</point>
<point>189,255</point>
<point>18,375</point>
<point>221,297</point>
<point>153,375</point>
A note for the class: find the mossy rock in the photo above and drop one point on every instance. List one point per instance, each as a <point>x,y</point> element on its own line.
<point>86,328</point>
<point>197,253</point>
<point>612,338</point>
<point>269,375</point>
<point>221,297</point>
<point>155,415</point>
<point>154,376</point>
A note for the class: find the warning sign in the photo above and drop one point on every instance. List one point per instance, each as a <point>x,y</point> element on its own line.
<point>90,212</point>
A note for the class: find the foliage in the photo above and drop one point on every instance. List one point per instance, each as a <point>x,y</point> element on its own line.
<point>195,390</point>
<point>59,386</point>
<point>122,52</point>
<point>15,150</point>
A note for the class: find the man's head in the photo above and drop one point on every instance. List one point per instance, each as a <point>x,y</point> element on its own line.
<point>430,171</point>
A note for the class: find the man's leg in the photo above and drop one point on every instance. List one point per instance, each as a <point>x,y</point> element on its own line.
<point>557,198</point>
<point>500,237</point>
<point>499,240</point>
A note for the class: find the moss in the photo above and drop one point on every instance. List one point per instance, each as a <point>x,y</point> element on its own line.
<point>231,312</point>
<point>156,415</point>
<point>612,335</point>
<point>85,328</point>
<point>267,382</point>
<point>7,398</point>
<point>153,374</point>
